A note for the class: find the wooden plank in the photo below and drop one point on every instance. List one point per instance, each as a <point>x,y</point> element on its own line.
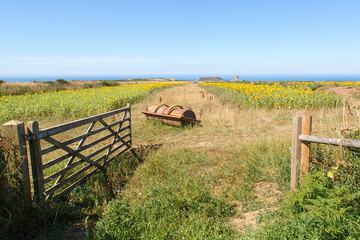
<point>15,130</point>
<point>62,171</point>
<point>147,113</point>
<point>83,136</point>
<point>120,146</point>
<point>75,164</point>
<point>112,131</point>
<point>330,141</point>
<point>305,147</point>
<point>130,126</point>
<point>97,141</point>
<point>71,151</point>
<point>114,157</point>
<point>73,185</point>
<point>56,161</point>
<point>74,124</point>
<point>64,157</point>
<point>114,139</point>
<point>106,147</point>
<point>36,161</point>
<point>100,140</point>
<point>77,147</point>
<point>52,189</point>
<point>295,149</point>
<point>46,133</point>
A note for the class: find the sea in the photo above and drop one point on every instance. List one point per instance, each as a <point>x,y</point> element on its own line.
<point>186,77</point>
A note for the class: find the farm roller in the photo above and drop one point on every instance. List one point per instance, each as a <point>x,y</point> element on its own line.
<point>174,115</point>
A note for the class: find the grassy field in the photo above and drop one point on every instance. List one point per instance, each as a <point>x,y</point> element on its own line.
<point>239,158</point>
<point>227,178</point>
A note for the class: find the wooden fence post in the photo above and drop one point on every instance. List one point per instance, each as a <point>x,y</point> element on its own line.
<point>305,147</point>
<point>128,105</point>
<point>36,161</point>
<point>295,149</point>
<point>15,130</point>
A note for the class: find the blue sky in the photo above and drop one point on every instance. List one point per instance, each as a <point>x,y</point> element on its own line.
<point>110,37</point>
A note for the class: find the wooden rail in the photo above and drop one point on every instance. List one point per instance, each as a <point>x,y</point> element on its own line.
<point>330,141</point>
<point>59,167</point>
<point>301,146</point>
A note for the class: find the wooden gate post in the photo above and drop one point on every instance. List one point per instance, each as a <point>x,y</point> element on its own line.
<point>295,149</point>
<point>128,105</point>
<point>305,147</point>
<point>15,131</point>
<point>36,161</point>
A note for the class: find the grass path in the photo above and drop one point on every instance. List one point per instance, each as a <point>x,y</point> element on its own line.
<point>246,150</point>
<point>230,141</point>
<point>211,181</point>
<point>223,127</point>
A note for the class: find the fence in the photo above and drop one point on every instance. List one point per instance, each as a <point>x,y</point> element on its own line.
<point>98,141</point>
<point>302,152</point>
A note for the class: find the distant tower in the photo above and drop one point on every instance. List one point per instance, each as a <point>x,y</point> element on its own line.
<point>236,78</point>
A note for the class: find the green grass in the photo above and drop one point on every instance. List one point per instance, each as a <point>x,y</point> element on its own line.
<point>169,199</point>
<point>318,210</point>
<point>172,195</point>
<point>325,205</point>
<point>178,190</point>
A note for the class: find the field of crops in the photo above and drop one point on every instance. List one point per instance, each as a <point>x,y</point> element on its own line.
<point>71,103</point>
<point>275,95</point>
<point>329,83</point>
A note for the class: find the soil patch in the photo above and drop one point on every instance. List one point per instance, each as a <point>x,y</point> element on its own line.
<point>342,91</point>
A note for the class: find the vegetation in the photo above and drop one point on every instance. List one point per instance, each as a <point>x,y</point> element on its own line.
<point>216,180</point>
<point>318,210</point>
<point>71,103</point>
<point>325,206</point>
<point>61,81</point>
<point>51,220</point>
<point>109,83</point>
<point>26,88</point>
<point>173,203</point>
<point>274,96</point>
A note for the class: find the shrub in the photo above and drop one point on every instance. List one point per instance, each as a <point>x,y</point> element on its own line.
<point>13,206</point>
<point>108,83</point>
<point>327,203</point>
<point>61,81</point>
<point>2,81</point>
<point>315,86</point>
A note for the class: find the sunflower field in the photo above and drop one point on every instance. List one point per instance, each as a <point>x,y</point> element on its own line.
<point>75,103</point>
<point>255,94</point>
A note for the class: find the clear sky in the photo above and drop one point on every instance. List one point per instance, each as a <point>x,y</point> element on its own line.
<point>92,37</point>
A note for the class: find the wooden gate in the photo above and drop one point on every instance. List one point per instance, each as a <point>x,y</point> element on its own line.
<point>60,161</point>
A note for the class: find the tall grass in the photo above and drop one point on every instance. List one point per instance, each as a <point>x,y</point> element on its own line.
<point>168,199</point>
<point>325,205</point>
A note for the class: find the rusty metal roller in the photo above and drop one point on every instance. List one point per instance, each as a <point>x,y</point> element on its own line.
<point>174,115</point>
